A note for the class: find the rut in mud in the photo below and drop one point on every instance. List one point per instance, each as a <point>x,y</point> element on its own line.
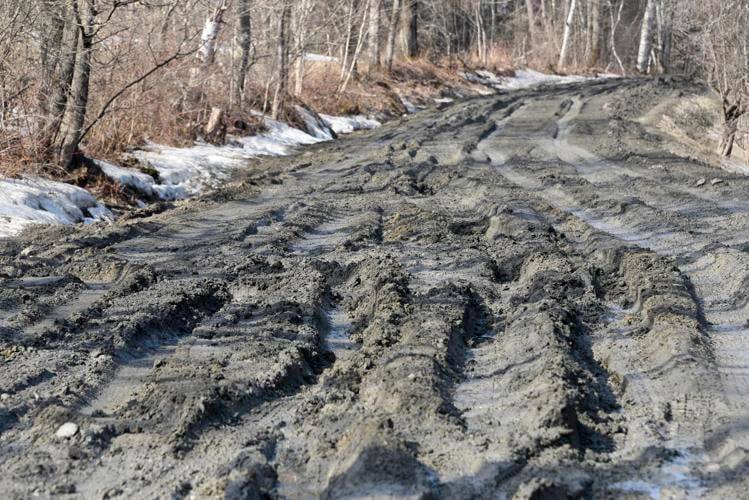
<point>518,295</point>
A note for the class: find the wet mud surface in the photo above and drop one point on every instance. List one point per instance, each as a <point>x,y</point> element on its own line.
<point>517,296</point>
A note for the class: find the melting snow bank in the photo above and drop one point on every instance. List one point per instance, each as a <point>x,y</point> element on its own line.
<point>139,181</point>
<point>185,172</point>
<point>33,200</point>
<point>182,172</point>
<point>523,79</point>
<point>349,124</point>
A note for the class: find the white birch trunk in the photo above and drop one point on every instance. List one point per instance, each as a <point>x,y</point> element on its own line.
<point>563,54</point>
<point>646,37</point>
<point>207,52</point>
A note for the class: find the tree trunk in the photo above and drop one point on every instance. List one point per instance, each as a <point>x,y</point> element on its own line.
<point>531,20</point>
<point>355,56</point>
<point>665,35</point>
<point>75,115</point>
<point>595,33</point>
<point>215,130</point>
<point>352,41</point>
<point>282,56</point>
<point>646,37</point>
<point>412,28</point>
<point>731,115</point>
<point>614,26</point>
<point>63,79</point>
<point>244,47</point>
<point>375,7</point>
<point>563,54</point>
<point>300,28</point>
<point>392,34</point>
<point>52,27</point>
<point>207,53</point>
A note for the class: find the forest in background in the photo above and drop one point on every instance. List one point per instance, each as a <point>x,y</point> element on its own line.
<point>96,77</point>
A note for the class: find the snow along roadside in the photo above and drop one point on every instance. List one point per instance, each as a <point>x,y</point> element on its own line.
<point>185,172</point>
<point>32,200</point>
<point>524,79</point>
<point>182,173</point>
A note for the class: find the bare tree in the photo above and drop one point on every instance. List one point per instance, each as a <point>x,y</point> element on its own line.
<point>392,34</point>
<point>303,11</point>
<point>351,42</point>
<point>62,79</point>
<point>615,21</point>
<point>355,50</point>
<point>564,53</point>
<point>52,15</point>
<point>375,8</point>
<point>243,40</point>
<point>207,52</point>
<point>723,38</point>
<point>282,60</point>
<point>646,37</point>
<point>411,28</point>
<point>594,31</point>
<point>665,18</point>
<point>75,113</point>
<point>215,127</point>
<point>732,113</point>
<point>531,20</point>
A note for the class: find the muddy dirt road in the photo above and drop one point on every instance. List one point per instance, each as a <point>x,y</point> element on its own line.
<point>533,295</point>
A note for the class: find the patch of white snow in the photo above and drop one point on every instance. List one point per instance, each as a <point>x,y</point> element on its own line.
<point>139,181</point>
<point>33,200</point>
<point>319,58</point>
<point>350,124</point>
<point>186,172</point>
<point>524,78</point>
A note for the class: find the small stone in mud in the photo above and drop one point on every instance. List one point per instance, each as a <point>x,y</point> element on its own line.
<point>716,181</point>
<point>67,430</point>
<point>701,182</point>
<point>4,397</point>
